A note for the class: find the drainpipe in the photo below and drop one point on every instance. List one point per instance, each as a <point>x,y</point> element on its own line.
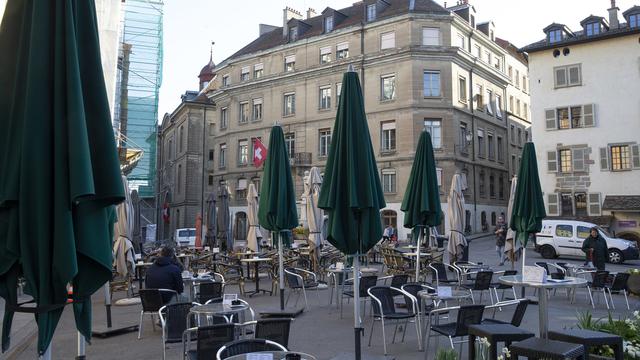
<point>362,55</point>
<point>473,147</point>
<point>204,137</point>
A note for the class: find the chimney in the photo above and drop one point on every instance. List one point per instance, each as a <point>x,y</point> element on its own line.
<point>613,15</point>
<point>288,14</point>
<point>311,13</point>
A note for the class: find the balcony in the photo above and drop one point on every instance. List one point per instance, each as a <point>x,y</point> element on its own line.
<point>301,159</point>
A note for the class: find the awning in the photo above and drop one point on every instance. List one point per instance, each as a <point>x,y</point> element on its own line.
<point>621,203</point>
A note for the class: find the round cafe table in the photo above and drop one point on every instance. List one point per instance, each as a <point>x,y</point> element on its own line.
<point>271,355</point>
<point>218,309</point>
<point>543,309</point>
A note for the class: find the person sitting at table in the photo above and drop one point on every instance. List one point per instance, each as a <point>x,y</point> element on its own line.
<point>165,274</point>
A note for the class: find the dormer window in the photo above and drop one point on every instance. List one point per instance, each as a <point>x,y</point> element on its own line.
<point>371,12</point>
<point>634,20</point>
<point>555,36</point>
<point>592,29</point>
<point>293,33</point>
<point>328,24</point>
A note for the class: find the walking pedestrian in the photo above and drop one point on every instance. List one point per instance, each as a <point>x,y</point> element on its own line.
<point>501,234</point>
<point>596,246</point>
<point>388,233</point>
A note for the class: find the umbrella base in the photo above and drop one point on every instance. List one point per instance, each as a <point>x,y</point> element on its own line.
<point>113,331</point>
<point>288,313</point>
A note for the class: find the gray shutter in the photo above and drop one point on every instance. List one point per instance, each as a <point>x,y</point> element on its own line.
<point>574,75</point>
<point>554,207</point>
<point>594,204</point>
<point>604,159</point>
<point>561,77</point>
<point>552,161</point>
<point>550,115</point>
<point>577,157</point>
<point>588,115</point>
<point>635,156</point>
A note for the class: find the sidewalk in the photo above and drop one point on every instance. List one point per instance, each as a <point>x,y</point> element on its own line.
<point>23,332</point>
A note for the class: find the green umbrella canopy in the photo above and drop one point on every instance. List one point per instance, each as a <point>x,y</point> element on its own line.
<point>421,202</point>
<point>58,160</point>
<point>528,204</point>
<point>277,210</point>
<point>351,193</point>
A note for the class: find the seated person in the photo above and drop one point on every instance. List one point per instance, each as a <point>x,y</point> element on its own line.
<point>165,274</point>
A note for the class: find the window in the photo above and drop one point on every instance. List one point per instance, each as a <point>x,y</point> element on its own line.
<point>210,154</point>
<point>518,107</point>
<point>210,180</point>
<point>498,106</point>
<point>525,111</point>
<point>488,101</point>
<point>244,112</point>
<point>634,20</point>
<point>388,40</point>
<point>463,141</point>
<point>439,176</point>
<point>580,203</point>
<point>500,149</point>
<point>487,56</point>
<point>582,231</point>
<point>570,117</point>
<point>181,138</point>
<point>514,166</point>
<point>555,36</point>
<point>252,147</point>
<point>290,144</point>
<point>462,89</point>
<point>431,83</point>
<point>371,12</point>
<point>481,185</point>
<point>224,118</point>
<point>222,154</point>
<point>513,134</point>
<point>179,182</point>
<point>481,144</point>
<point>620,158</point>
<point>570,75</point>
<point>256,183</point>
<point>293,33</point>
<point>524,83</point>
<point>225,80</point>
<point>566,205</point>
<point>388,87</point>
<point>592,28</point>
<point>289,104</point>
<point>257,109</point>
<point>519,136</point>
<point>434,127</point>
<point>328,24</point>
<point>258,71</point>
<point>518,79</point>
<point>388,130</point>
<point>389,181</point>
<point>324,140</point>
<point>243,152</point>
<point>565,160</point>
<point>290,63</point>
<point>460,39</point>
<point>478,51</point>
<point>497,63</point>
<point>240,226</point>
<point>501,187</point>
<point>325,97</point>
<point>492,149</point>
<point>325,55</point>
<point>338,92</point>
<point>430,36</point>
<point>342,51</point>
<point>478,97</point>
<point>244,74</point>
<point>492,186</point>
<point>565,231</point>
<point>510,72</point>
<point>511,103</point>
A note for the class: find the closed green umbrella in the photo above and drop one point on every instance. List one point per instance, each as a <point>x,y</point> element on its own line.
<point>421,203</point>
<point>278,211</point>
<point>58,160</point>
<point>528,203</point>
<point>351,193</point>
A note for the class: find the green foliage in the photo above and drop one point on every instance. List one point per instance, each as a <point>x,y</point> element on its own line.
<point>446,354</point>
<point>587,322</point>
<point>626,328</point>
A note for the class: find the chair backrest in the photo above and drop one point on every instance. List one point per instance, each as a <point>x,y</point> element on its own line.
<point>398,280</point>
<point>510,272</point>
<point>367,282</point>
<point>483,280</point>
<point>468,315</point>
<point>413,289</point>
<point>440,272</point>
<point>599,279</point>
<point>210,290</point>
<point>211,338</point>
<point>620,281</point>
<point>151,300</point>
<point>276,330</point>
<point>543,265</point>
<point>292,279</point>
<point>383,294</point>
<point>518,314</point>
<point>247,346</point>
<point>175,320</point>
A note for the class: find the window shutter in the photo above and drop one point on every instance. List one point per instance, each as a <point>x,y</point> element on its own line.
<point>635,156</point>
<point>552,161</point>
<point>577,157</point>
<point>550,115</point>
<point>574,75</point>
<point>497,105</point>
<point>554,206</point>
<point>594,204</point>
<point>588,116</point>
<point>561,77</point>
<point>604,159</point>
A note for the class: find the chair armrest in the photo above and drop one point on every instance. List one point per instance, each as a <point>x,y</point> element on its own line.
<point>310,273</point>
<point>186,339</point>
<point>385,278</point>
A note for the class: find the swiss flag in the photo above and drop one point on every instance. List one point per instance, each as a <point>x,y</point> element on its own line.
<point>165,212</point>
<point>259,152</point>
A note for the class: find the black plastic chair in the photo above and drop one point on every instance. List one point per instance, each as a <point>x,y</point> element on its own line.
<point>559,272</point>
<point>276,330</point>
<point>467,315</point>
<point>152,300</point>
<point>366,282</point>
<point>295,279</point>
<point>209,292</point>
<point>209,340</point>
<point>173,318</point>
<point>500,286</point>
<point>398,280</point>
<point>619,285</point>
<point>518,313</point>
<point>383,308</point>
<point>413,289</point>
<point>439,273</point>
<point>248,346</point>
<point>598,283</point>
<point>481,283</point>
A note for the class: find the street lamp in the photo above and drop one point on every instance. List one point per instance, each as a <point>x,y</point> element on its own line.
<point>468,136</point>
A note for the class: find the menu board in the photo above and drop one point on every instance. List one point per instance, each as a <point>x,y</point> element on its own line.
<point>534,274</point>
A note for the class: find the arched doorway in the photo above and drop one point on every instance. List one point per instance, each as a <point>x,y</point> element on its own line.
<point>240,226</point>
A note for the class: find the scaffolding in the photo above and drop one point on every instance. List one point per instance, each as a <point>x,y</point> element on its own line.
<point>139,80</point>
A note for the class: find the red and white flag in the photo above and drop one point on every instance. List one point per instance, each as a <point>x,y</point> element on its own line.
<point>259,153</point>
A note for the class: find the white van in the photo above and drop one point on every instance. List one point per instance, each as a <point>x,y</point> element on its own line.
<point>565,237</point>
<point>186,237</point>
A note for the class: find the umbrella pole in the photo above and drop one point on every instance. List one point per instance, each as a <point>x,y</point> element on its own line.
<point>420,238</point>
<point>107,302</point>
<point>280,270</point>
<point>81,347</point>
<point>356,304</point>
<point>47,354</point>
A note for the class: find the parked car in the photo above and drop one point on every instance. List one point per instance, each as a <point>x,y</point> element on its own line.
<point>186,237</point>
<point>565,237</point>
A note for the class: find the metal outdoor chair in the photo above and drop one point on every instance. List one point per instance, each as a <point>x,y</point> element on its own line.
<point>618,285</point>
<point>439,274</point>
<point>598,283</point>
<point>209,292</point>
<point>366,282</point>
<point>209,340</point>
<point>300,280</point>
<point>413,289</point>
<point>276,329</point>
<point>467,315</point>
<point>248,346</point>
<point>500,286</point>
<point>384,309</point>
<point>481,283</point>
<point>558,271</point>
<point>173,318</point>
<point>151,301</point>
<point>518,313</point>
